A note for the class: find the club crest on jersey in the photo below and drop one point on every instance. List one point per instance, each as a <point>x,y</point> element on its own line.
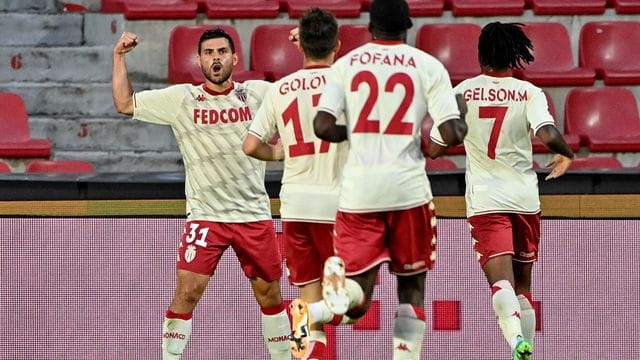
<point>190,253</point>
<point>241,94</point>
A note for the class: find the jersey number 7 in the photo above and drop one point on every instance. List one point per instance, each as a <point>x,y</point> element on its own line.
<point>496,113</point>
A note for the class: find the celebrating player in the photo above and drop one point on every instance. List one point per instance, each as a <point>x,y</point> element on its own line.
<point>227,204</point>
<point>385,209</point>
<point>312,168</point>
<point>503,207</point>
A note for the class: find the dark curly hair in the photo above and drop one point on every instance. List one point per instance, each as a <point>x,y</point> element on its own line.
<point>504,46</point>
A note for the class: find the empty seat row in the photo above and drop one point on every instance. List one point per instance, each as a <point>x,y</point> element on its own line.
<point>217,9</point>
<point>52,166</point>
<point>590,163</point>
<point>607,51</point>
<point>439,164</point>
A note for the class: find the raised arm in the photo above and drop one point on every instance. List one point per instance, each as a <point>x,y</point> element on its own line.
<point>120,85</point>
<point>553,140</point>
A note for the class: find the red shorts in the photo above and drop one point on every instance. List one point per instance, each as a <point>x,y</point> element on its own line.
<point>307,246</point>
<point>406,238</point>
<point>506,233</point>
<point>255,244</point>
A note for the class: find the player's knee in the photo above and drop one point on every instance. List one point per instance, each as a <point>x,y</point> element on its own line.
<point>268,294</point>
<point>189,293</point>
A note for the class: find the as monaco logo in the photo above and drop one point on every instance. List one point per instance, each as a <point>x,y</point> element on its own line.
<point>190,253</point>
<point>241,94</point>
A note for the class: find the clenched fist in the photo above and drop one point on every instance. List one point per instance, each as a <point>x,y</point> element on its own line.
<point>126,43</point>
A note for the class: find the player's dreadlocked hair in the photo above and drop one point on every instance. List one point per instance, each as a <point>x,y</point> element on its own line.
<point>214,34</point>
<point>504,46</point>
<point>318,31</point>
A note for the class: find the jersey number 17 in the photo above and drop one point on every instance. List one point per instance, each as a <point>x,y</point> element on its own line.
<point>292,115</point>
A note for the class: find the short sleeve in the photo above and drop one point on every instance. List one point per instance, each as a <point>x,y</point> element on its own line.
<point>333,97</point>
<point>264,124</point>
<point>440,96</point>
<point>538,110</point>
<point>159,106</point>
<point>436,137</point>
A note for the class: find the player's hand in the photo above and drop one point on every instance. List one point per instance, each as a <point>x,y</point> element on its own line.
<point>559,164</point>
<point>125,43</point>
<point>294,37</point>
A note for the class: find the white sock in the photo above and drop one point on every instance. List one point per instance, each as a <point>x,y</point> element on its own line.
<point>175,336</point>
<point>355,293</point>
<point>408,332</point>
<point>527,319</point>
<point>276,330</point>
<point>507,308</point>
<point>320,313</point>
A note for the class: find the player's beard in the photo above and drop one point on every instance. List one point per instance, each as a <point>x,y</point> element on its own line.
<point>221,77</point>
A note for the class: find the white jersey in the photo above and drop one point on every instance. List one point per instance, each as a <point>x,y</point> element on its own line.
<point>312,168</point>
<point>222,184</point>
<point>502,111</point>
<point>384,88</point>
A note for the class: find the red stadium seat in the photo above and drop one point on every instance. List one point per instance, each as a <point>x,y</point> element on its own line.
<point>160,9</point>
<point>455,45</point>
<point>340,8</point>
<point>487,7</point>
<point>567,7</point>
<point>572,140</point>
<point>606,118</point>
<point>183,52</point>
<point>272,53</point>
<point>626,6</point>
<point>15,137</point>
<point>612,49</point>
<point>440,164</point>
<point>352,36</point>
<point>112,6</point>
<point>67,166</point>
<point>553,64</point>
<point>230,9</point>
<point>417,8</point>
<point>4,167</point>
<point>606,162</point>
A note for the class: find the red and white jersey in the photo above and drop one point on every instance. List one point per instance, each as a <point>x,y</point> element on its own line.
<point>385,88</point>
<point>222,184</point>
<point>502,111</point>
<point>312,168</point>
